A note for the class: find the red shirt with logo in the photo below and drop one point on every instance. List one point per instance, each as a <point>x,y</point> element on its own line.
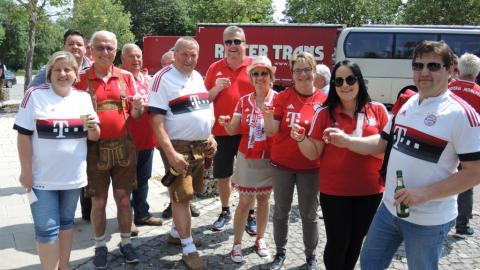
<point>293,108</point>
<point>468,91</point>
<point>343,172</point>
<point>112,123</point>
<point>140,129</point>
<point>227,99</point>
<point>254,142</point>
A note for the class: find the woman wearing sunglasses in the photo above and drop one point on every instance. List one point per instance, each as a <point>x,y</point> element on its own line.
<point>252,177</point>
<point>350,191</point>
<point>296,104</point>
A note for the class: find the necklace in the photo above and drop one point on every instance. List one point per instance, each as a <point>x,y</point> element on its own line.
<point>305,100</point>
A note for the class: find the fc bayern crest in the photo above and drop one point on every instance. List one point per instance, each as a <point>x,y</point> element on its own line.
<point>430,120</point>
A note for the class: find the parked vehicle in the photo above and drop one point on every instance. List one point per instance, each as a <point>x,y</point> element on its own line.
<point>277,41</point>
<point>10,79</point>
<point>383,52</point>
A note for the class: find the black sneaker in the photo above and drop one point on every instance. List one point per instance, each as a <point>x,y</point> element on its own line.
<point>222,221</point>
<point>167,213</point>
<point>465,230</point>
<point>312,263</point>
<point>100,259</point>
<point>277,263</point>
<point>129,253</point>
<point>251,226</point>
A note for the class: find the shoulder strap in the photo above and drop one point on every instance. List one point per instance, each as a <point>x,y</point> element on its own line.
<point>388,149</point>
<point>91,91</point>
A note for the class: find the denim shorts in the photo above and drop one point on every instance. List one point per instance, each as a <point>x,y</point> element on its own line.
<point>54,211</point>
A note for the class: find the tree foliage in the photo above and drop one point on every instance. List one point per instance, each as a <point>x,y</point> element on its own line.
<point>89,16</point>
<point>445,12</point>
<point>348,12</point>
<point>159,17</point>
<point>227,11</point>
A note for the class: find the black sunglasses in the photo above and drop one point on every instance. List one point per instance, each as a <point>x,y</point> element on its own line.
<point>229,42</point>
<point>350,80</point>
<point>433,67</point>
<point>262,73</point>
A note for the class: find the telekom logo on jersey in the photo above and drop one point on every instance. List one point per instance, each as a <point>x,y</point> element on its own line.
<point>399,133</point>
<point>60,130</point>
<point>195,100</point>
<point>292,118</point>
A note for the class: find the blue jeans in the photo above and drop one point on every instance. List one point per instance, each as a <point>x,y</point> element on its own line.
<point>54,211</point>
<point>423,244</point>
<point>144,172</point>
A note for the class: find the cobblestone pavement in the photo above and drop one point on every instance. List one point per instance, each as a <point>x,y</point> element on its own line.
<point>460,253</point>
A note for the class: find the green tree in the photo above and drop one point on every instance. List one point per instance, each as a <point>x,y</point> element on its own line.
<point>36,11</point>
<point>159,17</point>
<point>14,20</point>
<point>239,11</point>
<point>89,16</point>
<point>444,12</point>
<point>348,12</point>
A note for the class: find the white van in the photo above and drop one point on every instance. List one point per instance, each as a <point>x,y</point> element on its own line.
<point>384,53</point>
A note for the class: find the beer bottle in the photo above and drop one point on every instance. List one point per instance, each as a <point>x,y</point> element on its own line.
<point>169,177</point>
<point>402,209</point>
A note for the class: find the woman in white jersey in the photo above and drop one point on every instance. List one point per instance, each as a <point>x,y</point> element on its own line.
<point>53,123</point>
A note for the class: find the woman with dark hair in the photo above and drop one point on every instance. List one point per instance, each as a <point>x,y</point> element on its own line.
<point>350,191</point>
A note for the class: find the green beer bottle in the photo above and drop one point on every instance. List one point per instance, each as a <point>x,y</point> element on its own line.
<point>402,209</point>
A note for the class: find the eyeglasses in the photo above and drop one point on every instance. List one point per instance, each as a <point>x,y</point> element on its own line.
<point>263,74</point>
<point>432,67</point>
<point>229,42</point>
<point>103,48</point>
<point>350,80</point>
<point>299,71</point>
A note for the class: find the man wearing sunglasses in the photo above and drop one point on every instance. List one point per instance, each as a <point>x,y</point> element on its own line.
<point>227,81</point>
<point>433,131</point>
<point>113,157</point>
<point>466,88</point>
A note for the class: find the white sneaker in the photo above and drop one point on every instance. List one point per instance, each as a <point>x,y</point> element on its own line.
<point>236,253</point>
<point>262,247</point>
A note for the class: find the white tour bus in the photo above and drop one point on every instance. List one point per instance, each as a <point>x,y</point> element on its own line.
<point>384,53</point>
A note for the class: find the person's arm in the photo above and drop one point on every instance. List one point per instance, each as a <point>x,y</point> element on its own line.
<point>25,154</point>
<point>310,148</point>
<point>137,106</point>
<point>175,159</point>
<point>93,129</point>
<point>220,84</point>
<point>271,125</point>
<point>231,126</point>
<point>373,144</point>
<point>466,178</point>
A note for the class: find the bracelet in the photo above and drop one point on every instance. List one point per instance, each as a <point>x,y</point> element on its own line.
<point>302,139</point>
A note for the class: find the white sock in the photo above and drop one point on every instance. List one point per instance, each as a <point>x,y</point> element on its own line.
<point>174,232</point>
<point>188,246</point>
<point>100,241</point>
<point>125,237</point>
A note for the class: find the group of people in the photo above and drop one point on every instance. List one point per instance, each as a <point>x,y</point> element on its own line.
<point>323,136</point>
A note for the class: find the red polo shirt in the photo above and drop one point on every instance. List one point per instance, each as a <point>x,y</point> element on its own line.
<point>112,123</point>
<point>227,99</point>
<point>141,129</point>
<point>290,108</point>
<point>343,172</point>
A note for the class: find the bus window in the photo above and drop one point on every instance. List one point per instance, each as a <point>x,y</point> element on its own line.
<point>368,45</point>
<point>406,43</point>
<point>461,43</point>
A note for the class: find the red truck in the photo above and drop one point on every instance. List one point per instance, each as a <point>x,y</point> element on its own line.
<point>278,41</point>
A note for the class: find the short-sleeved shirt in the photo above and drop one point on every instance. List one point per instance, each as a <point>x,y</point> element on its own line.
<point>227,99</point>
<point>292,108</point>
<point>112,123</point>
<point>254,142</point>
<point>140,129</point>
<point>58,139</point>
<point>468,91</point>
<point>184,102</point>
<point>429,140</point>
<point>343,172</point>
